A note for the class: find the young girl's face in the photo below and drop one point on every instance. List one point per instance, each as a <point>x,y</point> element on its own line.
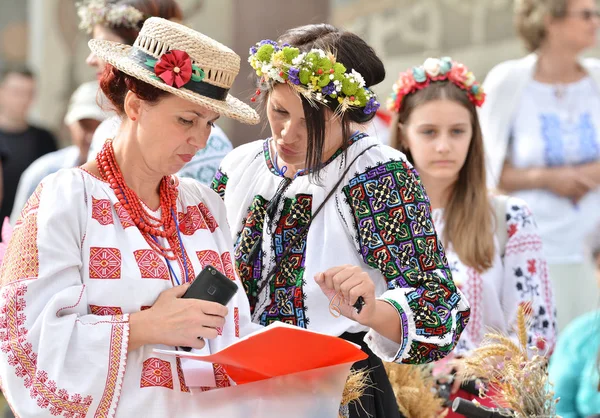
<point>438,134</point>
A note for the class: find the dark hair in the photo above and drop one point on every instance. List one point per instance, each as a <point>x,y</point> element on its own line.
<point>167,9</point>
<point>468,214</point>
<point>20,70</point>
<point>349,50</point>
<point>115,84</point>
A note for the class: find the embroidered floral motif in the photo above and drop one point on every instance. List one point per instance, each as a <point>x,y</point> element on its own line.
<point>156,373</point>
<point>396,236</point>
<point>105,263</point>
<point>23,359</point>
<point>102,211</point>
<point>151,265</point>
<point>219,183</point>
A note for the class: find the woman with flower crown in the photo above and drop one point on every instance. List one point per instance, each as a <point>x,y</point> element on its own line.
<point>332,229</point>
<point>92,279</point>
<point>120,21</point>
<point>492,243</point>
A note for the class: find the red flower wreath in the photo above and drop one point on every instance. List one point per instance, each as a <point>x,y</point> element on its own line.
<point>174,68</point>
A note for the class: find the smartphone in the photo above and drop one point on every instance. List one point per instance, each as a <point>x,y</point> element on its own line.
<point>213,286</point>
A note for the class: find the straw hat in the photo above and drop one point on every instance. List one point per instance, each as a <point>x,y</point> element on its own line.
<point>166,54</point>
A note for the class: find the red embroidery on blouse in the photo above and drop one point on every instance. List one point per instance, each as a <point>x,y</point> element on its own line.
<point>23,359</point>
<point>236,320</point>
<point>151,265</point>
<point>191,221</point>
<point>123,215</point>
<point>105,310</point>
<point>102,211</point>
<point>21,260</point>
<point>156,373</point>
<point>105,263</point>
<point>210,220</point>
<point>182,385</point>
<point>228,265</point>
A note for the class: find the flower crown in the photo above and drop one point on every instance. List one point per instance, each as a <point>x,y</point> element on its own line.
<point>94,12</point>
<point>315,74</point>
<point>434,69</point>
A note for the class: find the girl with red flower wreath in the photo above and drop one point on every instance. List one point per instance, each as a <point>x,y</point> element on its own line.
<point>492,244</point>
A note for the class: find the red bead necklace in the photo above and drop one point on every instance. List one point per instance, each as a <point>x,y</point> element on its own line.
<point>149,226</point>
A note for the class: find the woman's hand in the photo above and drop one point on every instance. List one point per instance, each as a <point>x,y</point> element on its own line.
<point>176,322</point>
<point>343,286</point>
<point>568,182</point>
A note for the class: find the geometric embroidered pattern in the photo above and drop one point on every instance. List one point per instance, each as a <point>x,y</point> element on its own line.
<point>102,211</point>
<point>229,271</point>
<point>250,236</point>
<point>221,378</point>
<point>13,336</point>
<point>236,320</point>
<point>114,367</point>
<point>105,310</point>
<point>396,236</point>
<point>105,263</point>
<point>219,183</point>
<point>182,386</point>
<point>123,215</point>
<point>156,373</point>
<point>21,260</point>
<point>221,263</point>
<point>151,265</point>
<point>286,290</point>
<point>191,221</point>
<point>208,218</point>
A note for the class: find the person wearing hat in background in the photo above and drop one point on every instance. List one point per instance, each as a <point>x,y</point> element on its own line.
<point>120,21</point>
<point>94,273</point>
<point>82,118</point>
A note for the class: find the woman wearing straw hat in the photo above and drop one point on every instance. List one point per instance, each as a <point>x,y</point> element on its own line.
<point>101,255</point>
<point>120,21</point>
<point>333,229</point>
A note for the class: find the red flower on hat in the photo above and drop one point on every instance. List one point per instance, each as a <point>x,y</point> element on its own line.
<point>174,68</point>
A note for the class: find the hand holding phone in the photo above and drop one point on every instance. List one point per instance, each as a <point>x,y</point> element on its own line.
<point>213,286</point>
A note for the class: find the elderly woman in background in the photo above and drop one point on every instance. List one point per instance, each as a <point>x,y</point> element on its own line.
<point>541,127</point>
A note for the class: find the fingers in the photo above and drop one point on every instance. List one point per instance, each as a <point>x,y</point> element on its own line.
<point>212,308</point>
<point>455,385</point>
<point>177,291</point>
<point>351,289</point>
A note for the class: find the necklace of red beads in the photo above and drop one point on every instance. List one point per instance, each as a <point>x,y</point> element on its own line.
<point>150,226</point>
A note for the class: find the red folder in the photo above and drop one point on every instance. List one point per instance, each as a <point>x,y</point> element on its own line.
<point>279,350</point>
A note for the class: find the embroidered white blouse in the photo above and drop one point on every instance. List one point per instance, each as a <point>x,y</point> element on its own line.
<point>75,268</point>
<point>378,218</point>
<point>518,278</point>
